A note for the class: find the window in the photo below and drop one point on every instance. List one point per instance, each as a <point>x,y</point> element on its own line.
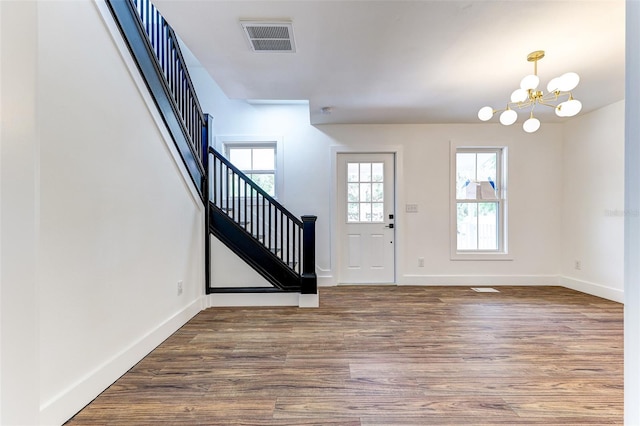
<point>365,192</point>
<point>479,211</point>
<point>258,162</point>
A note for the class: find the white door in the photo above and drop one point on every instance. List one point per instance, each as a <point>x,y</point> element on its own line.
<point>366,215</point>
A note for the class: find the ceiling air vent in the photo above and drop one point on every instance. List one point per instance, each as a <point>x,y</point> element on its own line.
<point>269,36</point>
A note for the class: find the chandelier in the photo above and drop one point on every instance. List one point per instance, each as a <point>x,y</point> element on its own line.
<point>528,96</point>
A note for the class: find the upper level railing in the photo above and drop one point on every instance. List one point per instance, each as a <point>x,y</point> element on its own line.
<point>156,50</point>
<point>165,44</point>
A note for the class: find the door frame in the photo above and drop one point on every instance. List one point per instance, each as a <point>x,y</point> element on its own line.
<point>335,245</point>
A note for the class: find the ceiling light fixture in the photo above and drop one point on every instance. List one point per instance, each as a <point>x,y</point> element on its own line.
<point>528,96</point>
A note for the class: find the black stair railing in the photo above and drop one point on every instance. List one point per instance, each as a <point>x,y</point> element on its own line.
<point>156,50</point>
<point>290,239</point>
<point>286,244</point>
<point>165,45</point>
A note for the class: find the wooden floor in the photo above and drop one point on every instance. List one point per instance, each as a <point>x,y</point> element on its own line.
<point>384,356</point>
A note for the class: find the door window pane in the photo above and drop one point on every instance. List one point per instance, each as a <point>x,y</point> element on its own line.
<point>353,194</point>
<point>353,212</point>
<point>365,172</point>
<point>353,172</point>
<point>365,192</point>
<point>377,212</point>
<point>377,192</point>
<point>362,190</point>
<point>365,212</point>
<point>377,172</point>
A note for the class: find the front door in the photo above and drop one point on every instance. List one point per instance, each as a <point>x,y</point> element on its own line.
<point>366,216</point>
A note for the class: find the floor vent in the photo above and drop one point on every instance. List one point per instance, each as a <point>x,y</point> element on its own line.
<point>484,290</point>
<point>269,36</point>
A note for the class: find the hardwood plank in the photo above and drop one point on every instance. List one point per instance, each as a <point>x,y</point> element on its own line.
<point>288,407</point>
<point>384,356</point>
<point>458,420</point>
<point>526,386</point>
<point>550,406</point>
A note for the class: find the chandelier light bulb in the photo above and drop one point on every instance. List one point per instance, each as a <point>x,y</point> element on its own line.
<point>552,86</point>
<point>571,107</point>
<point>530,82</point>
<point>485,113</point>
<point>519,95</point>
<point>508,117</point>
<point>568,81</point>
<point>531,125</point>
<point>560,111</point>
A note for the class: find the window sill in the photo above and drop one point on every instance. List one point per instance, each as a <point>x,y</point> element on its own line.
<point>482,256</point>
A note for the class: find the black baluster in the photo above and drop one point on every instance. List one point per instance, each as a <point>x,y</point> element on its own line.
<point>270,227</point>
<point>293,245</point>
<point>246,219</point>
<point>280,233</point>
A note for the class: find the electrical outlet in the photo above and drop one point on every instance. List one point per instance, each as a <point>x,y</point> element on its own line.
<point>179,287</point>
<point>421,262</point>
<point>578,265</point>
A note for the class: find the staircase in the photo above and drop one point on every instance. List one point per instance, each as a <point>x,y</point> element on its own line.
<point>257,228</point>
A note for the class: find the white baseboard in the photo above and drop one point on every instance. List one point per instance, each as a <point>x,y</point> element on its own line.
<point>325,278</point>
<point>494,280</point>
<point>454,280</point>
<point>220,300</point>
<point>309,300</point>
<point>67,403</point>
<point>326,281</point>
<point>593,289</point>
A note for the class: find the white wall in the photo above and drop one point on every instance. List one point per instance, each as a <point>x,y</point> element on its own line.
<point>96,211</point>
<point>632,220</point>
<point>229,270</point>
<point>593,208</point>
<point>19,190</point>
<point>423,179</point>
<point>535,173</point>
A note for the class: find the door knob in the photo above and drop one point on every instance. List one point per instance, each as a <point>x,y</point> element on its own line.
<point>389,226</point>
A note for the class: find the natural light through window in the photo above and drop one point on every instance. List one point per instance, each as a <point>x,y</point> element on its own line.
<point>257,162</point>
<point>365,192</point>
<point>479,205</point>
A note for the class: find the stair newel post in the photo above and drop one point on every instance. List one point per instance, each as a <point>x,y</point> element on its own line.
<point>309,282</point>
<point>207,199</point>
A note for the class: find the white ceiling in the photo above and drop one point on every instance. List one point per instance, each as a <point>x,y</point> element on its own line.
<point>395,61</point>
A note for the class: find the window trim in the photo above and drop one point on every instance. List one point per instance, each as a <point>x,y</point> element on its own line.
<point>222,143</point>
<point>503,216</point>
